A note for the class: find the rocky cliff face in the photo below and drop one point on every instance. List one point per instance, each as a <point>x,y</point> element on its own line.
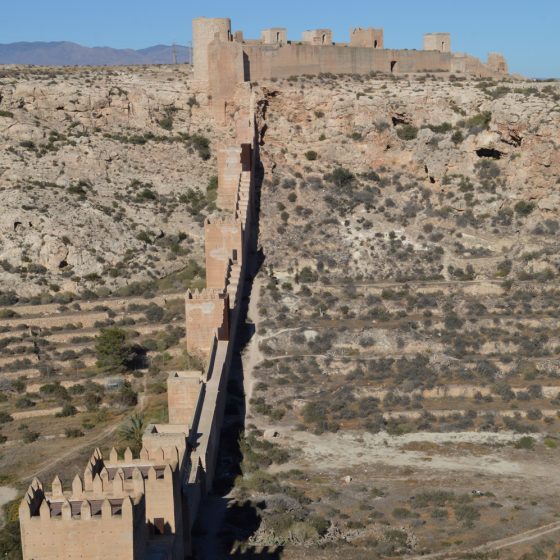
<point>449,151</point>
<point>103,174</point>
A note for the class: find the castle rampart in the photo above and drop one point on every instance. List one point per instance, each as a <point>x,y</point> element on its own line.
<point>233,62</point>
<point>71,525</point>
<point>143,507</point>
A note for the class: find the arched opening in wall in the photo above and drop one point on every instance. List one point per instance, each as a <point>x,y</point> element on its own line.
<point>324,39</point>
<point>375,44</point>
<point>393,66</point>
<point>443,46</point>
<point>278,37</point>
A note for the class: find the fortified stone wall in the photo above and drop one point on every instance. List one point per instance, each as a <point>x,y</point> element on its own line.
<point>291,60</point>
<point>144,508</point>
<point>183,391</point>
<point>233,62</point>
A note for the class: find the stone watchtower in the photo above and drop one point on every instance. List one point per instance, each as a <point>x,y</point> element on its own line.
<point>497,63</point>
<point>437,42</point>
<point>205,30</point>
<point>369,38</point>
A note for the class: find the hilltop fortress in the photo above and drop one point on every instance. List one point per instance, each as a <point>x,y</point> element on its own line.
<point>223,59</point>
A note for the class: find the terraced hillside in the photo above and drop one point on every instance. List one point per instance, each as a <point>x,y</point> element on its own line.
<point>405,372</point>
<point>106,177</point>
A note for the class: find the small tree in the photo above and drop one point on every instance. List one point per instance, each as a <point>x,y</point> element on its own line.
<point>113,350</point>
<point>131,432</point>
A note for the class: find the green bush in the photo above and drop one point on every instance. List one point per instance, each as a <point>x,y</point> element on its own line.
<point>441,128</point>
<point>112,349</point>
<point>5,417</point>
<point>307,276</point>
<point>28,145</point>
<point>67,410</point>
<point>166,122</point>
<point>524,208</point>
<point>482,120</point>
<point>311,155</point>
<point>526,442</point>
<point>457,137</point>
<point>341,177</point>
<point>202,145</point>
<point>407,132</point>
<point>466,514</point>
<point>30,436</point>
<point>73,433</point>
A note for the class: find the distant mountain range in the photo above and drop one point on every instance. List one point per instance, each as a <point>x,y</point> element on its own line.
<point>64,53</point>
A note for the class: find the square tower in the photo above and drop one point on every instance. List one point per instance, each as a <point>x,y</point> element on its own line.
<point>437,42</point>
<point>274,36</point>
<point>497,63</point>
<point>317,37</point>
<point>183,392</point>
<point>223,242</point>
<point>207,316</point>
<point>369,38</point>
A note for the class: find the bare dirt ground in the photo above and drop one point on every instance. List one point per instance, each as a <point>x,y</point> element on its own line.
<point>347,451</point>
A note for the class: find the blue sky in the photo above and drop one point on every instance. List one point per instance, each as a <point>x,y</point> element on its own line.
<point>526,32</point>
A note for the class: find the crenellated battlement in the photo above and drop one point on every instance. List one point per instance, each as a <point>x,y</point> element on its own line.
<point>205,294</point>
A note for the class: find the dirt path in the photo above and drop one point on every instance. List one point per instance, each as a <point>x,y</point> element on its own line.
<point>40,413</point>
<point>508,542</point>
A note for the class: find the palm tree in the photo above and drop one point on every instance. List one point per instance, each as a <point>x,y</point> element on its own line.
<point>131,433</point>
